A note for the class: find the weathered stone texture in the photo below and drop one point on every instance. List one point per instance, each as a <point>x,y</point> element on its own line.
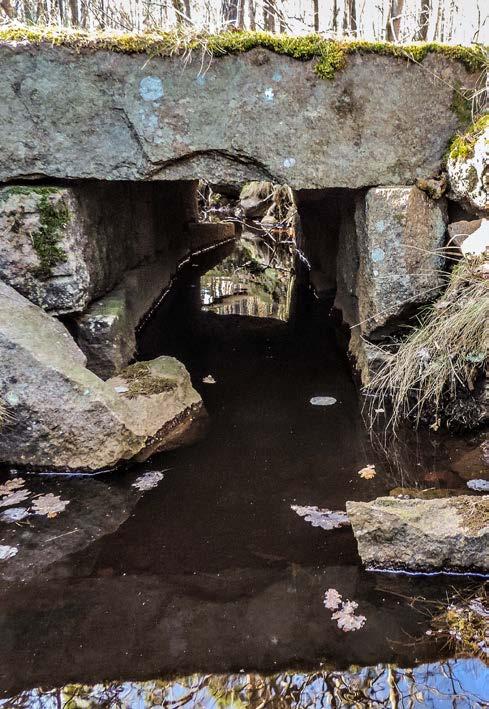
<point>420,534</point>
<point>389,259</point>
<point>72,114</point>
<point>469,177</point>
<point>62,416</point>
<point>64,247</point>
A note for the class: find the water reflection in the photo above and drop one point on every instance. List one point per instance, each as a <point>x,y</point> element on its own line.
<point>454,683</point>
<point>244,283</point>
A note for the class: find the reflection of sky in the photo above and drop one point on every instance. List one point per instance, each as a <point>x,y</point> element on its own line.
<point>460,683</point>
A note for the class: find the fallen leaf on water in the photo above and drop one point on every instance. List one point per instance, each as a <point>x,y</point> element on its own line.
<point>348,622</point>
<point>49,505</point>
<point>332,599</point>
<point>11,485</point>
<point>14,514</point>
<point>7,552</point>
<point>322,400</point>
<point>148,481</point>
<point>15,497</point>
<point>209,379</point>
<point>368,472</point>
<point>326,519</point>
<point>478,485</point>
<point>344,614</point>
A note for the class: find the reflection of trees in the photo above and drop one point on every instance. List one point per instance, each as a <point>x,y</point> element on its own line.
<point>451,683</point>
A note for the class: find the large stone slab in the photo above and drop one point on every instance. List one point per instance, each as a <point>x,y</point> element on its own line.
<point>451,534</point>
<point>67,113</point>
<point>394,259</point>
<point>63,417</point>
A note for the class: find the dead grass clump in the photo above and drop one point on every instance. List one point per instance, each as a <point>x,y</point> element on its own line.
<point>464,624</point>
<point>3,413</point>
<point>442,359</point>
<point>141,382</point>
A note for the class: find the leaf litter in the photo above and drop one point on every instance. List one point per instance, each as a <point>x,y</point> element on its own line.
<point>14,497</point>
<point>324,518</point>
<point>11,485</point>
<point>49,505</point>
<point>368,472</point>
<point>344,611</point>
<point>7,552</point>
<point>149,480</point>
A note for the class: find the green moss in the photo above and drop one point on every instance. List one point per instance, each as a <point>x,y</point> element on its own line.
<point>53,219</point>
<point>461,105</point>
<point>462,146</point>
<point>331,55</point>
<point>141,381</point>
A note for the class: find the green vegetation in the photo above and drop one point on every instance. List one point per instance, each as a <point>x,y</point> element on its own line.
<point>331,55</point>
<point>462,623</point>
<point>462,146</point>
<point>141,381</point>
<point>53,219</point>
<point>462,104</point>
<point>435,371</point>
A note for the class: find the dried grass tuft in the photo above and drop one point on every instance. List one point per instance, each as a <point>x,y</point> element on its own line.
<point>443,357</point>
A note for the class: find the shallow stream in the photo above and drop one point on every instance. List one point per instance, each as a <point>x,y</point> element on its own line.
<point>207,589</point>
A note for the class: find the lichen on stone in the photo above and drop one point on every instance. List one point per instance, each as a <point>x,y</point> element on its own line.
<point>331,55</point>
<point>141,381</point>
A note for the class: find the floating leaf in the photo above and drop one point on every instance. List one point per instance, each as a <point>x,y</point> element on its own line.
<point>49,505</point>
<point>148,481</point>
<point>368,472</point>
<point>11,485</point>
<point>209,379</point>
<point>14,514</point>
<point>323,400</point>
<point>479,485</point>
<point>7,552</point>
<point>326,519</point>
<point>332,599</point>
<point>14,498</point>
<point>346,621</point>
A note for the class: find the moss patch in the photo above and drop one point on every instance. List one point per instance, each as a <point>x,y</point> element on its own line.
<point>331,55</point>
<point>46,240</point>
<point>462,146</point>
<point>142,382</point>
<point>462,105</point>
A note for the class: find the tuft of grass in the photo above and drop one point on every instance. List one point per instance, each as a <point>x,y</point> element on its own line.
<point>442,359</point>
<point>3,413</point>
<point>141,381</point>
<point>462,146</point>
<point>331,55</point>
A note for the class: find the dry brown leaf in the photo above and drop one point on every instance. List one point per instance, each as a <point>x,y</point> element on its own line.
<point>11,485</point>
<point>368,472</point>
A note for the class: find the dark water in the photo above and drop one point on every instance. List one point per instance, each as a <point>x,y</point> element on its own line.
<point>208,589</point>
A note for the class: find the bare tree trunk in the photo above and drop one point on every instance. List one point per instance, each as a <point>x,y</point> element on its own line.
<point>7,8</point>
<point>334,24</point>
<point>252,14</point>
<point>229,12</point>
<point>350,17</point>
<point>424,21</point>
<point>74,12</point>
<point>394,20</point>
<point>269,15</point>
<point>315,11</point>
<point>61,11</point>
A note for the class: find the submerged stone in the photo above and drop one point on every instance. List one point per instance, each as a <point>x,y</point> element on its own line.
<point>63,417</point>
<point>420,535</point>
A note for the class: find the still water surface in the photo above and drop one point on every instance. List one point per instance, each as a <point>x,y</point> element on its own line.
<point>207,590</point>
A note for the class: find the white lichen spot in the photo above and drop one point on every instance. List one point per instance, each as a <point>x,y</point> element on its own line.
<point>12,398</point>
<point>377,254</point>
<point>289,162</point>
<point>200,80</point>
<point>277,76</point>
<point>380,225</point>
<point>151,88</point>
<point>268,94</point>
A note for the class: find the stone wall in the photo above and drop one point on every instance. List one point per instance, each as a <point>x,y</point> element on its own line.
<point>73,114</point>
